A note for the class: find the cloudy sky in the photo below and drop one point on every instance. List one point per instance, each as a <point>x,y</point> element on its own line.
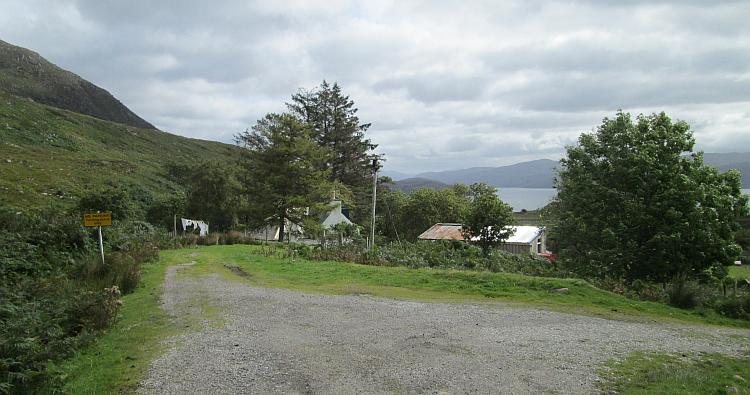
<point>446,84</point>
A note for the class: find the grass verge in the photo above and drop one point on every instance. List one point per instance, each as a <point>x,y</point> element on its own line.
<point>663,373</point>
<point>268,269</point>
<point>119,358</point>
<point>742,271</point>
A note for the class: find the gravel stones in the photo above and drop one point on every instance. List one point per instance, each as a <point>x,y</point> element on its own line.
<point>282,341</point>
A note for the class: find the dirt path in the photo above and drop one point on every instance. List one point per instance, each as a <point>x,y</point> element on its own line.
<point>283,341</point>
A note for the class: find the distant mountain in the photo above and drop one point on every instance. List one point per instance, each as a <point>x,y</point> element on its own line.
<point>540,173</point>
<point>533,174</point>
<point>412,184</point>
<point>25,73</point>
<point>395,175</point>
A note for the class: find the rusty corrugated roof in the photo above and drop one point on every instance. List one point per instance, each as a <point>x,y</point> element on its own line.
<point>442,231</point>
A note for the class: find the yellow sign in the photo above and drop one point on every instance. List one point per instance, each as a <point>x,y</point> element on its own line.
<point>97,219</point>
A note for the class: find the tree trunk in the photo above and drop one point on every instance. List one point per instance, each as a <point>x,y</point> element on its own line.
<point>281,229</point>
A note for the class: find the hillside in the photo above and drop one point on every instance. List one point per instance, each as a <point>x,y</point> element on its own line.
<point>49,156</point>
<point>25,73</point>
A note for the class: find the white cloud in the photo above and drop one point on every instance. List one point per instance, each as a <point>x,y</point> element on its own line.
<point>446,84</point>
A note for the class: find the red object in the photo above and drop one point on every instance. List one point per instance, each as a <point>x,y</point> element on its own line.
<point>550,256</point>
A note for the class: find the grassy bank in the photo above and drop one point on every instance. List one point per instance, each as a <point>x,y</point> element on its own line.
<point>662,373</point>
<point>267,267</point>
<point>118,359</point>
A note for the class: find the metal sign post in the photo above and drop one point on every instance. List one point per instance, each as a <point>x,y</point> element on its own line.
<point>97,220</point>
<point>101,244</point>
<point>374,200</point>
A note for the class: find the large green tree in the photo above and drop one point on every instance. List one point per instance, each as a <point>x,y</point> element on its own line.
<point>488,218</point>
<point>280,158</point>
<point>405,216</point>
<point>635,202</point>
<point>335,126</point>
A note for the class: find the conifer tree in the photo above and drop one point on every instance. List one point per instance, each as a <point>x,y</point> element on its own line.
<point>336,127</point>
<point>281,158</point>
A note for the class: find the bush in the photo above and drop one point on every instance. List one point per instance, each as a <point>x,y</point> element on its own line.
<point>735,307</point>
<point>438,254</point>
<point>683,293</point>
<point>209,240</point>
<point>652,292</point>
<point>55,293</point>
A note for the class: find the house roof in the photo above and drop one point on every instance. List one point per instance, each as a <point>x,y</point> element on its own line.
<point>451,231</point>
<point>335,216</point>
<point>442,231</point>
<point>522,235</point>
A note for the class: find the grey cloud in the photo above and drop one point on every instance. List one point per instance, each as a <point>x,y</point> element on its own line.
<point>431,88</point>
<point>445,84</point>
<point>614,91</point>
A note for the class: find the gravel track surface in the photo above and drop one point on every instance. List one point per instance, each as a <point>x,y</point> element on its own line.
<point>281,341</point>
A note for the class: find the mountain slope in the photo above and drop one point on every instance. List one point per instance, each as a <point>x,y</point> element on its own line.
<point>532,174</point>
<point>25,73</point>
<point>50,157</point>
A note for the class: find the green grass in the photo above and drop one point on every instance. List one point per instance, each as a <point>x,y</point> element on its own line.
<point>435,285</point>
<point>662,373</point>
<point>739,271</point>
<point>119,358</point>
<point>532,218</point>
<point>51,157</point>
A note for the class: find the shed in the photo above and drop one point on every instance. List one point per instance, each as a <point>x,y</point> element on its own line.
<point>442,231</point>
<point>525,239</point>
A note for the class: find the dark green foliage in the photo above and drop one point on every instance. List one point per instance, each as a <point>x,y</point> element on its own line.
<point>281,157</point>
<point>52,291</point>
<point>437,254</point>
<point>683,293</point>
<point>334,124</point>
<point>213,193</point>
<point>635,202</point>
<point>163,210</point>
<point>488,218</point>
<point>735,307</point>
<point>404,217</point>
<point>119,201</point>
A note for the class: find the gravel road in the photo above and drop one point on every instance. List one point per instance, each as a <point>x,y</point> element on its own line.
<point>281,341</point>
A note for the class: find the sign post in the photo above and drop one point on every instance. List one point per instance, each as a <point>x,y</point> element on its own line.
<point>97,220</point>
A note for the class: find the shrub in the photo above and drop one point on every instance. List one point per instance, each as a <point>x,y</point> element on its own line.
<point>644,290</point>
<point>683,293</point>
<point>209,240</point>
<point>735,307</point>
<point>55,293</point>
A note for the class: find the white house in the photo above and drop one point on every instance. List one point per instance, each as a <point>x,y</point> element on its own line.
<point>295,232</point>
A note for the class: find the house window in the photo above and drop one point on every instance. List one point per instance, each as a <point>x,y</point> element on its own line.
<point>539,246</point>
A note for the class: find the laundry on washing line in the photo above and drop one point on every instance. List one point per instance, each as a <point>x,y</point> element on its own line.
<point>195,224</point>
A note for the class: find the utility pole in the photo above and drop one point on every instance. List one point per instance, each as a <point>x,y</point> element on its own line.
<point>374,197</point>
